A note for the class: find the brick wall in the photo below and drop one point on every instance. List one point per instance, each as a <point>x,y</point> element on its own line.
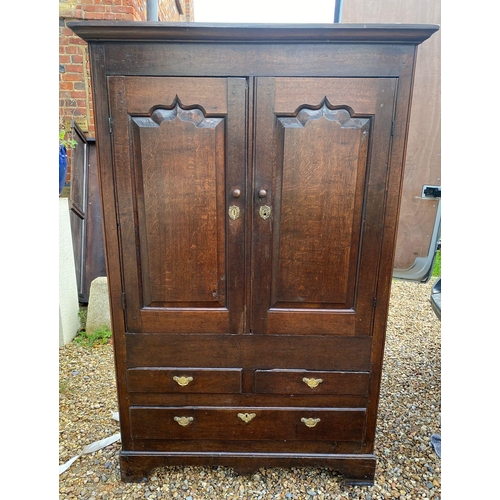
<point>175,10</point>
<point>75,93</point>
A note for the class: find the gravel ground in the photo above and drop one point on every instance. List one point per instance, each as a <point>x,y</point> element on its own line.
<point>409,413</point>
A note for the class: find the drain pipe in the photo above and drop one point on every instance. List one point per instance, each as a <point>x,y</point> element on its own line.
<point>337,15</point>
<point>152,8</point>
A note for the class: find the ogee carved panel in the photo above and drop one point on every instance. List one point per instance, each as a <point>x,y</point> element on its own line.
<point>178,156</point>
<point>324,161</point>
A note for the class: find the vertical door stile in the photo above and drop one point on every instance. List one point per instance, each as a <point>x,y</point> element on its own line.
<point>263,196</point>
<point>123,177</point>
<point>250,114</point>
<point>236,196</point>
<point>375,204</point>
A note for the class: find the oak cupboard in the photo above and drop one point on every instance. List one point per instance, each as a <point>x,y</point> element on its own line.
<point>251,179</point>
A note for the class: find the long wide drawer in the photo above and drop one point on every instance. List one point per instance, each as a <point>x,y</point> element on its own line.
<point>206,423</point>
<point>311,382</point>
<point>184,380</point>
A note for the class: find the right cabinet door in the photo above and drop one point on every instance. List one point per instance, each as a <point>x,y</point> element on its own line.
<point>322,148</point>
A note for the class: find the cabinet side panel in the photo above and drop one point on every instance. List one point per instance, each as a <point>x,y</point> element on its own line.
<point>111,237</point>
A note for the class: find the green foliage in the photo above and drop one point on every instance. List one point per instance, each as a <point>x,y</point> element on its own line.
<point>99,337</point>
<point>436,270</point>
<point>82,314</point>
<point>67,143</point>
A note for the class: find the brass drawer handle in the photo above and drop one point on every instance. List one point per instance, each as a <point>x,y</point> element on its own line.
<point>310,422</point>
<point>246,417</point>
<point>312,382</point>
<point>184,421</point>
<point>183,381</point>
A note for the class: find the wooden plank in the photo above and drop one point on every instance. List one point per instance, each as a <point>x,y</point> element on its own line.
<point>111,230</point>
<point>357,469</point>
<point>247,399</point>
<point>249,351</point>
<point>423,156</point>
<point>321,59</point>
<point>258,33</point>
<point>249,447</point>
<point>144,93</point>
<point>311,321</point>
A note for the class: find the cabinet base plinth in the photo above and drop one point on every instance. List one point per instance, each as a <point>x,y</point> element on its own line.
<point>357,470</point>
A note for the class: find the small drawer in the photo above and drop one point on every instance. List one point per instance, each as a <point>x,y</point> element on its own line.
<point>311,382</point>
<point>184,380</point>
<point>248,423</point>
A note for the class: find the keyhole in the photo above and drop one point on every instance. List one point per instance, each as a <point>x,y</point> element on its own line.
<point>265,212</point>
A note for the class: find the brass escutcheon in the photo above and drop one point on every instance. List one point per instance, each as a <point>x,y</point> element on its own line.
<point>265,212</point>
<point>246,417</point>
<point>234,212</point>
<point>312,382</point>
<point>184,421</point>
<point>310,422</point>
<point>183,381</point>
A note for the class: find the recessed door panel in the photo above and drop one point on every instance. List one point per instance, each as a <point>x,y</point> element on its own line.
<point>180,188</point>
<point>321,158</point>
<point>321,199</point>
<point>182,262</point>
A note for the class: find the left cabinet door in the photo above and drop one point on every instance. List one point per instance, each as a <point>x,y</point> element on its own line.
<point>179,158</point>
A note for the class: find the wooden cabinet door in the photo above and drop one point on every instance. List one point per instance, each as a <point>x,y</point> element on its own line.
<point>322,148</point>
<point>179,149</point>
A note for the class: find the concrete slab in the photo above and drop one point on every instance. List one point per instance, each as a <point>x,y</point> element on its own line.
<point>69,321</point>
<point>98,314</point>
